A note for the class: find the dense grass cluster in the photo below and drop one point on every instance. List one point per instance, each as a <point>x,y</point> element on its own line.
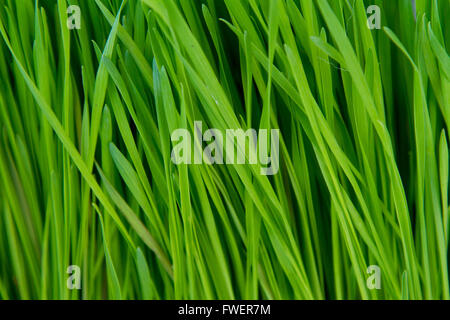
<point>86,176</point>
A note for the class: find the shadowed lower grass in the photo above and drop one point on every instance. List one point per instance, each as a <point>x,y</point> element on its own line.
<point>86,176</point>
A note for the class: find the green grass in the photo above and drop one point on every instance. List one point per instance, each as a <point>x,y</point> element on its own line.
<point>86,176</point>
